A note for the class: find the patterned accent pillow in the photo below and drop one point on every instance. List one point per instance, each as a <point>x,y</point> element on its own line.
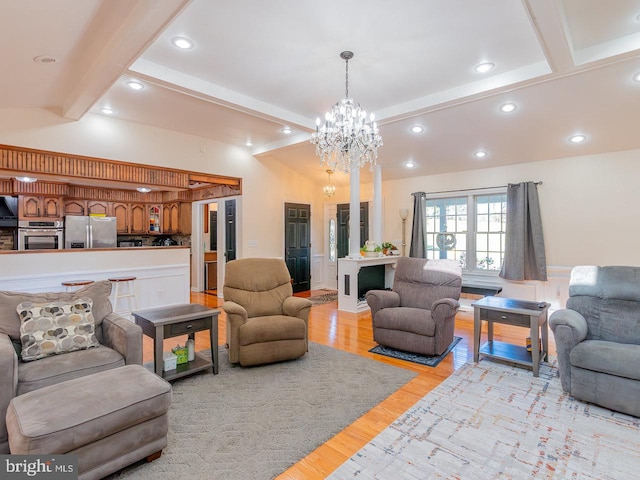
<point>55,328</point>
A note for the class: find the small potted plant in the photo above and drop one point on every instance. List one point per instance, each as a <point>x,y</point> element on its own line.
<point>388,248</point>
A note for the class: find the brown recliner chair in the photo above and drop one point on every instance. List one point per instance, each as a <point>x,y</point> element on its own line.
<point>120,344</point>
<point>418,315</point>
<point>265,323</point>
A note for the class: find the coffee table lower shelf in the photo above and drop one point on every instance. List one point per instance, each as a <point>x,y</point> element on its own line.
<point>197,364</point>
<point>508,352</point>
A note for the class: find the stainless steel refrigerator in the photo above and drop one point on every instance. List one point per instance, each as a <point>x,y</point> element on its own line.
<point>90,232</point>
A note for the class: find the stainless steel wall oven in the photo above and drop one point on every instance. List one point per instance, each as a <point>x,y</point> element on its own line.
<point>40,235</point>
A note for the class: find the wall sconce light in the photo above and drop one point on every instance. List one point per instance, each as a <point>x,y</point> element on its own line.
<point>404,213</point>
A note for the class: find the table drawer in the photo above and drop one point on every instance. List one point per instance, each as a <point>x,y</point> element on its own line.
<point>187,327</point>
<point>508,318</point>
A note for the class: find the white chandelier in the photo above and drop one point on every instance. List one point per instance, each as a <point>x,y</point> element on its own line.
<point>329,189</point>
<point>346,141</point>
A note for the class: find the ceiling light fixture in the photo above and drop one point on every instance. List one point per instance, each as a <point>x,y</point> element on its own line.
<point>249,143</point>
<point>577,138</point>
<point>286,130</point>
<point>329,189</point>
<point>346,141</point>
<point>480,154</point>
<point>143,189</point>
<point>410,164</point>
<point>107,110</point>
<point>417,129</point>
<point>182,43</point>
<point>135,85</point>
<point>26,179</point>
<point>508,107</point>
<point>485,67</point>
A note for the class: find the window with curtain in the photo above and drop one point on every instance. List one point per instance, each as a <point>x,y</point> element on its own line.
<point>467,228</point>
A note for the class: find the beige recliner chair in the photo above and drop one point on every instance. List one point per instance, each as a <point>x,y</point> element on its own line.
<point>265,323</point>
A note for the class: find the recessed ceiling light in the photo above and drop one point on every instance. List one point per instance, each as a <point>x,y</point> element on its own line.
<point>181,42</point>
<point>410,164</point>
<point>485,67</point>
<point>143,189</point>
<point>480,154</point>
<point>249,144</point>
<point>134,85</point>
<point>508,107</point>
<point>44,59</point>
<point>107,110</point>
<point>577,138</point>
<point>417,129</point>
<point>636,77</point>
<point>26,179</point>
<point>286,130</point>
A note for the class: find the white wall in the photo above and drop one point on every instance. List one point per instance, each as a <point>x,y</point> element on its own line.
<point>588,204</point>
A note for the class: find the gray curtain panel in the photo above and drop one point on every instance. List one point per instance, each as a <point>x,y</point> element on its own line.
<point>524,257</point>
<point>418,246</point>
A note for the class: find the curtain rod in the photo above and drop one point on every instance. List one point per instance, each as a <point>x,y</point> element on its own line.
<point>473,189</point>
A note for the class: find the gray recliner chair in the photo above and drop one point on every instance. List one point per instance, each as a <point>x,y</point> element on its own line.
<point>598,337</point>
<point>418,314</point>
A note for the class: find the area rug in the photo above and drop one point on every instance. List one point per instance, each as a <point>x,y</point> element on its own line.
<point>430,361</point>
<point>490,421</point>
<point>332,296</point>
<point>254,423</point>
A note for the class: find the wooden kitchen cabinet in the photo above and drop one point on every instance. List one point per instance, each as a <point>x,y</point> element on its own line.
<point>39,208</point>
<point>154,218</point>
<point>184,226</point>
<point>75,207</point>
<point>99,208</point>
<point>122,213</point>
<point>170,218</point>
<point>138,221</point>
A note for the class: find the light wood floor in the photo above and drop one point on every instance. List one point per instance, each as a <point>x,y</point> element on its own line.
<point>352,333</point>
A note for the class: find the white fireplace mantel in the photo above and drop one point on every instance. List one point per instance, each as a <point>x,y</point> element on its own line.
<point>348,269</point>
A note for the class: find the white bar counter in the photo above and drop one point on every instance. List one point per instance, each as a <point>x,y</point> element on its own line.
<point>162,273</point>
<point>348,269</point>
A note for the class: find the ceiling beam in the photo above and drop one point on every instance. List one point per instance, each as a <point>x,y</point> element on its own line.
<point>120,31</point>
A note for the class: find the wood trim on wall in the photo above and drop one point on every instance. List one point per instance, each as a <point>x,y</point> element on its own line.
<point>19,160</point>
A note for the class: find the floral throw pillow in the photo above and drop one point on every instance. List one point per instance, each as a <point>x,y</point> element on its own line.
<point>55,328</point>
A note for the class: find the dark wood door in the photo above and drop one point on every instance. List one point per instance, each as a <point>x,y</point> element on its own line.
<point>230,230</point>
<point>343,227</point>
<point>297,231</point>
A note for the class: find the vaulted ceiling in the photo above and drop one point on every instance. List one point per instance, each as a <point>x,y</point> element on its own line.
<point>258,66</point>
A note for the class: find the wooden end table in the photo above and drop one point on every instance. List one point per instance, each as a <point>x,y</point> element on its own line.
<point>521,313</point>
<point>167,322</point>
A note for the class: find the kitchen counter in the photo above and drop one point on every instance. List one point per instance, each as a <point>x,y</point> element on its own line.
<point>162,273</point>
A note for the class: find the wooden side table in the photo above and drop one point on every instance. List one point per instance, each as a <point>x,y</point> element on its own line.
<point>167,322</point>
<point>532,315</point>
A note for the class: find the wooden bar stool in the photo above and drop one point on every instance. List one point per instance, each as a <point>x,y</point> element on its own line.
<point>129,294</point>
<point>71,285</point>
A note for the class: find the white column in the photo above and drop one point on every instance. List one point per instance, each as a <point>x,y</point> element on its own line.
<point>377,204</point>
<point>354,213</point>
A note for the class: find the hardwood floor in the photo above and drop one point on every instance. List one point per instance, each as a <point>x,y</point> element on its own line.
<point>353,333</point>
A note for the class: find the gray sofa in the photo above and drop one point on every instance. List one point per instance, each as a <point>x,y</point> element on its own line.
<point>598,337</point>
<point>120,344</point>
<point>418,315</point>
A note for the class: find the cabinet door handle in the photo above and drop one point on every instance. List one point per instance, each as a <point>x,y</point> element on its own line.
<point>188,327</point>
<point>504,317</point>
